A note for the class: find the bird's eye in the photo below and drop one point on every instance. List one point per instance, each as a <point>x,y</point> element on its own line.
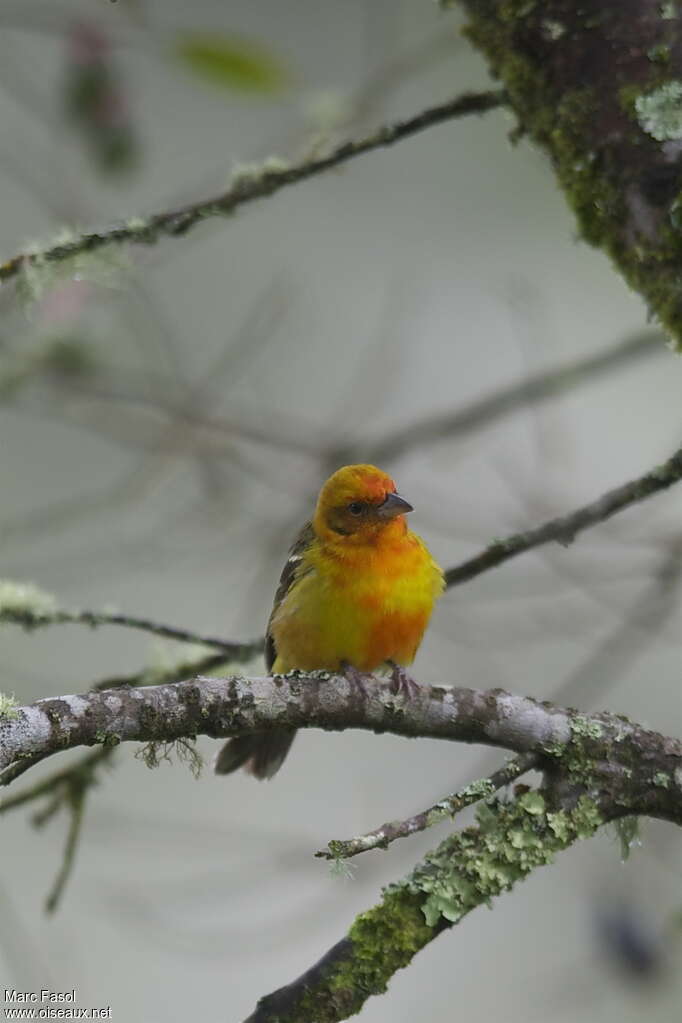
<point>356,507</point>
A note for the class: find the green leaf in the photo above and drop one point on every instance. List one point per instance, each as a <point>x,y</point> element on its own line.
<point>233,62</point>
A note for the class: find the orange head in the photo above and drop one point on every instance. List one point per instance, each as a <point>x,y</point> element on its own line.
<point>359,503</point>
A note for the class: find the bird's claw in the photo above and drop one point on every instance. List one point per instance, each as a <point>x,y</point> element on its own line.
<point>356,678</point>
<point>403,683</point>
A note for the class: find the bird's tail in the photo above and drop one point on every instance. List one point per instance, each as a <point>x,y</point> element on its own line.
<point>261,754</point>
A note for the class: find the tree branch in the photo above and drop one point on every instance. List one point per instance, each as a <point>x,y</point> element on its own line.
<point>467,870</point>
<point>565,528</point>
<point>626,758</point>
<point>249,185</point>
<point>485,411</point>
<point>382,837</point>
<point>24,605</point>
<point>597,86</point>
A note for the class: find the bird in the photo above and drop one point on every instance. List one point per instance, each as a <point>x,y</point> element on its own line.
<point>355,596</point>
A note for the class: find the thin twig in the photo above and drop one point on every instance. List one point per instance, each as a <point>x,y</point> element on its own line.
<point>251,185</point>
<point>67,788</point>
<point>83,767</point>
<point>381,838</point>
<point>76,800</point>
<point>565,528</point>
<point>30,619</point>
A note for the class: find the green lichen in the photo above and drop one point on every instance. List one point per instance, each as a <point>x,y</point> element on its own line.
<point>585,728</point>
<point>661,780</point>
<point>627,832</point>
<point>512,839</point>
<point>659,54</point>
<point>384,939</point>
<point>465,871</point>
<point>668,10</point>
<point>380,942</point>
<point>553,29</point>
<point>24,600</point>
<point>660,112</point>
<point>589,167</point>
<point>8,706</point>
<point>50,263</point>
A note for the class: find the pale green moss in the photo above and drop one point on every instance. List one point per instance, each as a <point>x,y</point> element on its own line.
<point>17,599</point>
<point>40,272</point>
<point>661,780</point>
<point>8,706</point>
<point>627,832</point>
<point>585,728</point>
<point>512,839</point>
<point>660,112</point>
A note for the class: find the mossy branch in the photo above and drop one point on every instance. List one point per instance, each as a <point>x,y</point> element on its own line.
<point>597,86</point>
<point>32,608</point>
<point>248,184</point>
<point>476,791</point>
<point>467,870</point>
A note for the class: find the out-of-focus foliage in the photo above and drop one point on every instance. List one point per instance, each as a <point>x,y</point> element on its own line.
<point>233,62</point>
<point>95,100</point>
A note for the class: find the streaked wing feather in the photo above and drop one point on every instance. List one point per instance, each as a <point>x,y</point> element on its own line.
<point>292,571</point>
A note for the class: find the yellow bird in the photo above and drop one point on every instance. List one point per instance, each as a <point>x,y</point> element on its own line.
<point>356,594</point>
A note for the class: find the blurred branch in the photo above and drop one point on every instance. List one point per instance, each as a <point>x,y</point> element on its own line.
<point>66,789</point>
<point>248,185</point>
<point>382,837</point>
<point>69,786</point>
<point>536,388</point>
<point>35,618</point>
<point>565,528</point>
<point>591,680</point>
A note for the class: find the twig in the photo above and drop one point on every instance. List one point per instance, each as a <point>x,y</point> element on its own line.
<point>565,528</point>
<point>536,388</point>
<point>152,676</point>
<point>467,870</point>
<point>35,619</point>
<point>76,800</point>
<point>67,788</point>
<point>382,837</point>
<point>83,768</point>
<point>252,184</point>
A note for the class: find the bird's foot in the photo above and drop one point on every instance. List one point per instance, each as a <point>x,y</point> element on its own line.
<point>356,678</point>
<point>402,682</point>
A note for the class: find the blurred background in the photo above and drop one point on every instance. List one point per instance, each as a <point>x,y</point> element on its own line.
<point>167,415</point>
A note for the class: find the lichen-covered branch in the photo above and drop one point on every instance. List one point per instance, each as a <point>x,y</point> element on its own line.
<point>467,870</point>
<point>641,770</point>
<point>30,607</point>
<point>382,837</point>
<point>596,769</point>
<point>598,87</point>
<point>248,184</point>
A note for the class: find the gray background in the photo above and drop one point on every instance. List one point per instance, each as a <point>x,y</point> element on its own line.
<point>412,281</point>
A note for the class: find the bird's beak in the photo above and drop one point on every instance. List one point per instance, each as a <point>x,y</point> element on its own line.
<point>393,506</point>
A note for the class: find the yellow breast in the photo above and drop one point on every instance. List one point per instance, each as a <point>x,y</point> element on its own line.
<point>366,608</point>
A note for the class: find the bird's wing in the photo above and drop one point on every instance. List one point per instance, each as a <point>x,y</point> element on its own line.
<point>293,570</point>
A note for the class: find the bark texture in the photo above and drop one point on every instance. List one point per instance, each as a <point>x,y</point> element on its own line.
<point>598,85</point>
